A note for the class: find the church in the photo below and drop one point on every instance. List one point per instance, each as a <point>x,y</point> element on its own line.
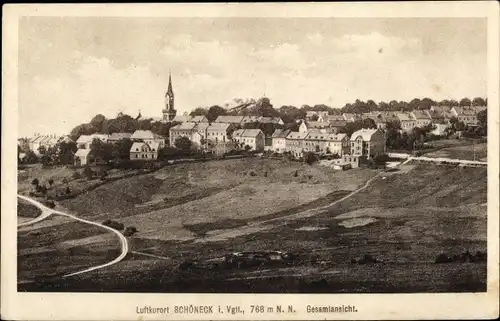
<point>169,112</point>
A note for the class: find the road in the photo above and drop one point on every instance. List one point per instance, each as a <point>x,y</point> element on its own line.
<point>46,212</point>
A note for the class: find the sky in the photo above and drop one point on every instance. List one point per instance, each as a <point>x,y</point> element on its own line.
<point>72,68</point>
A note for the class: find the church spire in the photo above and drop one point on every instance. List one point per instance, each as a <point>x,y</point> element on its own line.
<point>170,90</point>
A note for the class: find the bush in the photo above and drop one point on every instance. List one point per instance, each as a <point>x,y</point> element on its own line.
<point>296,174</point>
<point>129,231</point>
<point>88,172</point>
<point>51,182</point>
<point>113,224</point>
<point>310,158</point>
<point>77,175</point>
<point>35,182</point>
<point>252,173</point>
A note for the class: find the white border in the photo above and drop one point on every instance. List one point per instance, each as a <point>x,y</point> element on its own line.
<point>88,306</point>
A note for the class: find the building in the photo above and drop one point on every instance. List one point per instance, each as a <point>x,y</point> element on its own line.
<point>199,119</point>
<point>251,137</point>
<point>336,125</point>
<point>271,120</point>
<point>234,120</point>
<point>183,129</point>
<point>351,117</point>
<point>40,141</point>
<point>467,115</point>
<point>115,138</point>
<point>83,157</point>
<point>251,119</point>
<point>439,129</point>
<point>182,118</point>
<point>279,140</point>
<point>222,147</point>
<point>169,111</point>
<point>294,143</point>
<point>422,118</point>
<point>440,114</point>
<point>85,141</point>
<point>144,151</point>
<point>406,120</point>
<point>312,114</point>
<point>148,137</point>
<point>219,132</point>
<point>367,143</point>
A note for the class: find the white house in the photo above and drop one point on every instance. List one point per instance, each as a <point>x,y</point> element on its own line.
<point>251,137</point>
<point>279,140</point>
<point>144,151</point>
<point>367,142</point>
<point>83,156</point>
<point>185,129</point>
<point>148,137</point>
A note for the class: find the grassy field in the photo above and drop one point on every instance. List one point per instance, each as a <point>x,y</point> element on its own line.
<point>59,245</point>
<point>403,218</point>
<point>462,152</point>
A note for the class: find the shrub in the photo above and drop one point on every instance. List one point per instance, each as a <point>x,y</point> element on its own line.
<point>296,174</point>
<point>67,191</point>
<point>88,172</point>
<point>252,173</point>
<point>130,230</point>
<point>35,182</point>
<point>51,182</point>
<point>77,175</point>
<point>113,224</point>
<point>310,158</point>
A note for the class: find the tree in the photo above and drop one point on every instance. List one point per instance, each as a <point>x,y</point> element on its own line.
<point>199,111</point>
<point>214,112</point>
<point>68,191</point>
<point>184,144</point>
<point>66,151</point>
<point>101,150</point>
<point>314,117</point>
<point>478,101</point>
<point>51,182</point>
<point>31,157</point>
<point>247,148</point>
<point>88,172</point>
<point>35,182</point>
<point>310,158</point>
<point>42,149</point>
<point>368,123</point>
<point>465,102</point>
<point>97,121</point>
<point>121,150</point>
<point>482,118</point>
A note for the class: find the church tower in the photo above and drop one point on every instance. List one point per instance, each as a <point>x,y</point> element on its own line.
<point>169,111</point>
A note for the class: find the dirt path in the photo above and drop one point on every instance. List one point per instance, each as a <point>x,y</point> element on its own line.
<point>46,212</point>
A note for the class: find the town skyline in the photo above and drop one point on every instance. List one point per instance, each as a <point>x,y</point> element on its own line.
<point>84,71</point>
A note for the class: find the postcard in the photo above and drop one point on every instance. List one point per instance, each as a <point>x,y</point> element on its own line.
<point>256,161</point>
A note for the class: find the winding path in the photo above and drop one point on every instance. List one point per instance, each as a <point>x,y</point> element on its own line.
<point>46,212</point>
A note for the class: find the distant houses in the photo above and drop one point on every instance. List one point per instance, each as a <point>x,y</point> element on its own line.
<point>253,138</point>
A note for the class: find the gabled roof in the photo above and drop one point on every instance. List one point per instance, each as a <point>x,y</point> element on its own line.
<point>421,114</point>
<point>336,137</point>
<point>218,127</point>
<point>143,134</point>
<point>316,136</point>
<point>335,117</point>
<point>119,136</point>
<point>184,126</point>
<point>82,152</point>
<point>84,139</point>
<point>404,117</point>
<point>154,146</point>
<point>198,119</point>
<point>248,133</point>
<point>317,124</point>
<point>280,133</point>
<point>182,118</point>
<point>364,133</point>
<point>201,127</point>
<point>337,123</point>
<point>272,120</point>
<point>296,135</point>
<point>229,119</point>
<point>251,119</point>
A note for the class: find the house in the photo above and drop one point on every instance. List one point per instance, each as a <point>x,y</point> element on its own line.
<point>422,118</point>
<point>312,114</point>
<point>117,137</point>
<point>83,157</point>
<point>199,119</point>
<point>439,114</point>
<point>467,115</point>
<point>251,137</point>
<point>279,140</point>
<point>251,119</point>
<point>350,117</point>
<point>406,120</point>
<point>367,143</point>
<point>223,147</point>
<point>294,143</point>
<point>147,136</point>
<point>234,120</point>
<point>144,151</point>
<point>315,126</point>
<point>332,118</point>
<point>186,129</point>
<point>271,120</point>
<point>84,141</point>
<point>337,125</point>
<point>219,132</point>
<point>439,129</point>
<point>182,118</point>
<point>302,127</point>
<point>102,137</point>
<point>338,144</point>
